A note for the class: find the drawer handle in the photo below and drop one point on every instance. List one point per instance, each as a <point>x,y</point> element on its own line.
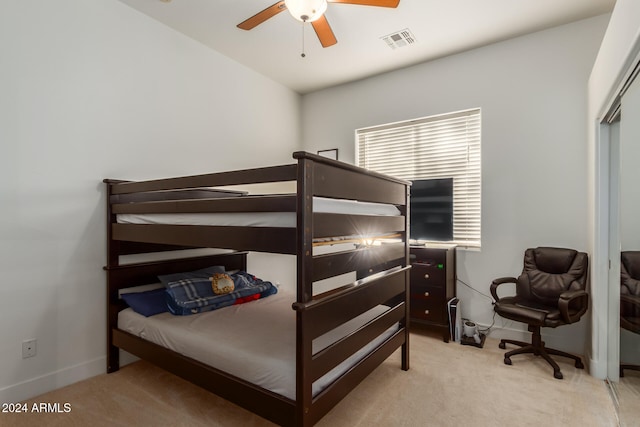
<point>426,294</point>
<point>426,312</point>
<point>426,276</point>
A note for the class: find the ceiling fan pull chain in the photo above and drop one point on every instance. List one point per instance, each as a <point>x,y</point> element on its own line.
<point>303,24</point>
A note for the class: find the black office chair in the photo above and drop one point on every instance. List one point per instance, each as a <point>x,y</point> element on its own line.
<point>630,297</point>
<point>550,292</point>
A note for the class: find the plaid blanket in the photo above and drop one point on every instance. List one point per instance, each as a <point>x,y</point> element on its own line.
<point>195,295</point>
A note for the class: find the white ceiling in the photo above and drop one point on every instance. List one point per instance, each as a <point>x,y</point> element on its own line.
<point>441,28</point>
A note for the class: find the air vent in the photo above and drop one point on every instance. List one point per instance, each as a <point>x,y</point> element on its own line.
<point>400,39</point>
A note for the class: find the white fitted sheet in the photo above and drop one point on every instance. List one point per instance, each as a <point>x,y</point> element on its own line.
<point>261,219</point>
<point>253,341</point>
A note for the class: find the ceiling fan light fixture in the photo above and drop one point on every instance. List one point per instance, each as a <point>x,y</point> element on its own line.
<point>306,10</point>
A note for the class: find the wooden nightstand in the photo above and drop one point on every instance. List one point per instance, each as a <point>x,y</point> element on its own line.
<point>433,284</point>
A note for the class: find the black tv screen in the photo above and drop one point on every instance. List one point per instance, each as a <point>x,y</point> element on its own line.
<point>431,205</point>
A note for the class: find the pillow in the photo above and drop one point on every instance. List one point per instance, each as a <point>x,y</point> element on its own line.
<point>147,303</point>
<point>203,273</point>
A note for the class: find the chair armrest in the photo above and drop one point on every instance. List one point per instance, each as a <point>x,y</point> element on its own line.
<point>629,326</point>
<point>579,298</point>
<point>498,282</point>
<point>631,299</point>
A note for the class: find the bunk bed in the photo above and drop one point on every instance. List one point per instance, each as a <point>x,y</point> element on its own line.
<point>373,249</point>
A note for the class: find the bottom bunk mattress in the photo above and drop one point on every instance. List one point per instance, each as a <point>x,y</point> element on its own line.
<point>254,341</point>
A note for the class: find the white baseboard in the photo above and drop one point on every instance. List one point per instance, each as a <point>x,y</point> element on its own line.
<point>501,332</point>
<point>597,368</point>
<point>58,379</point>
<point>54,380</point>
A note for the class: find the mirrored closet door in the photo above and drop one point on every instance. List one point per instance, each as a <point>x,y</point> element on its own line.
<point>628,387</point>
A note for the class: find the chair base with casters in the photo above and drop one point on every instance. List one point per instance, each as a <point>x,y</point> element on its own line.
<point>630,367</point>
<point>537,347</point>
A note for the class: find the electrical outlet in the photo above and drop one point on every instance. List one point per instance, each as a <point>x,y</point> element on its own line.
<point>29,348</point>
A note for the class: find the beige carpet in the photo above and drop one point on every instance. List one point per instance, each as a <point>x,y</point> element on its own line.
<point>447,385</point>
<point>629,399</point>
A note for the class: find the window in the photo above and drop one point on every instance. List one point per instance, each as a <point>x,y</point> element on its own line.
<point>442,146</point>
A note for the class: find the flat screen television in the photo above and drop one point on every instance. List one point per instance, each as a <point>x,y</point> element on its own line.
<point>431,214</point>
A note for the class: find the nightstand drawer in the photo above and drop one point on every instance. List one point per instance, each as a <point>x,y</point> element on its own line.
<point>422,256</point>
<point>427,293</point>
<point>429,310</point>
<point>427,274</point>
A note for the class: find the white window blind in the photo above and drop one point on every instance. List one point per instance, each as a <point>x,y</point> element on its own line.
<point>440,146</point>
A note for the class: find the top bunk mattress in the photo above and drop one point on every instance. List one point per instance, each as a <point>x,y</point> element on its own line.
<point>261,219</point>
<point>253,341</point>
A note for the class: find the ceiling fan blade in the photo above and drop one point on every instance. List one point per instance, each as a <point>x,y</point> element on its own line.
<point>324,32</point>
<point>379,3</point>
<point>260,17</point>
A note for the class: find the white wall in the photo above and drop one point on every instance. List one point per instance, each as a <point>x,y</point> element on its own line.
<point>532,91</point>
<point>92,90</point>
<point>619,50</point>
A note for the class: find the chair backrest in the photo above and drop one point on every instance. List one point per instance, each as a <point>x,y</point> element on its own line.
<point>630,273</point>
<point>548,272</point>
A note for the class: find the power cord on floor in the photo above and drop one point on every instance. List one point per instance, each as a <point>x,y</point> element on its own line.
<point>486,330</point>
<point>493,320</point>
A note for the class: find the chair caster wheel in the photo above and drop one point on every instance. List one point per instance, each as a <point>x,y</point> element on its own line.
<point>557,374</point>
<point>507,361</point>
<point>502,345</point>
<point>579,364</point>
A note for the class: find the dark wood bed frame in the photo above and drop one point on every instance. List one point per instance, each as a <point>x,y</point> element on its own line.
<point>382,271</point>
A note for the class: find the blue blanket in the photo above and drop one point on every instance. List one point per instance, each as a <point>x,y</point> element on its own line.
<point>195,295</point>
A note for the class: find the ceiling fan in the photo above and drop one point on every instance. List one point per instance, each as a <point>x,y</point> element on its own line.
<point>310,11</point>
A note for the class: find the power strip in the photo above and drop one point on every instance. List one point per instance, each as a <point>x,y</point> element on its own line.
<point>465,340</point>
